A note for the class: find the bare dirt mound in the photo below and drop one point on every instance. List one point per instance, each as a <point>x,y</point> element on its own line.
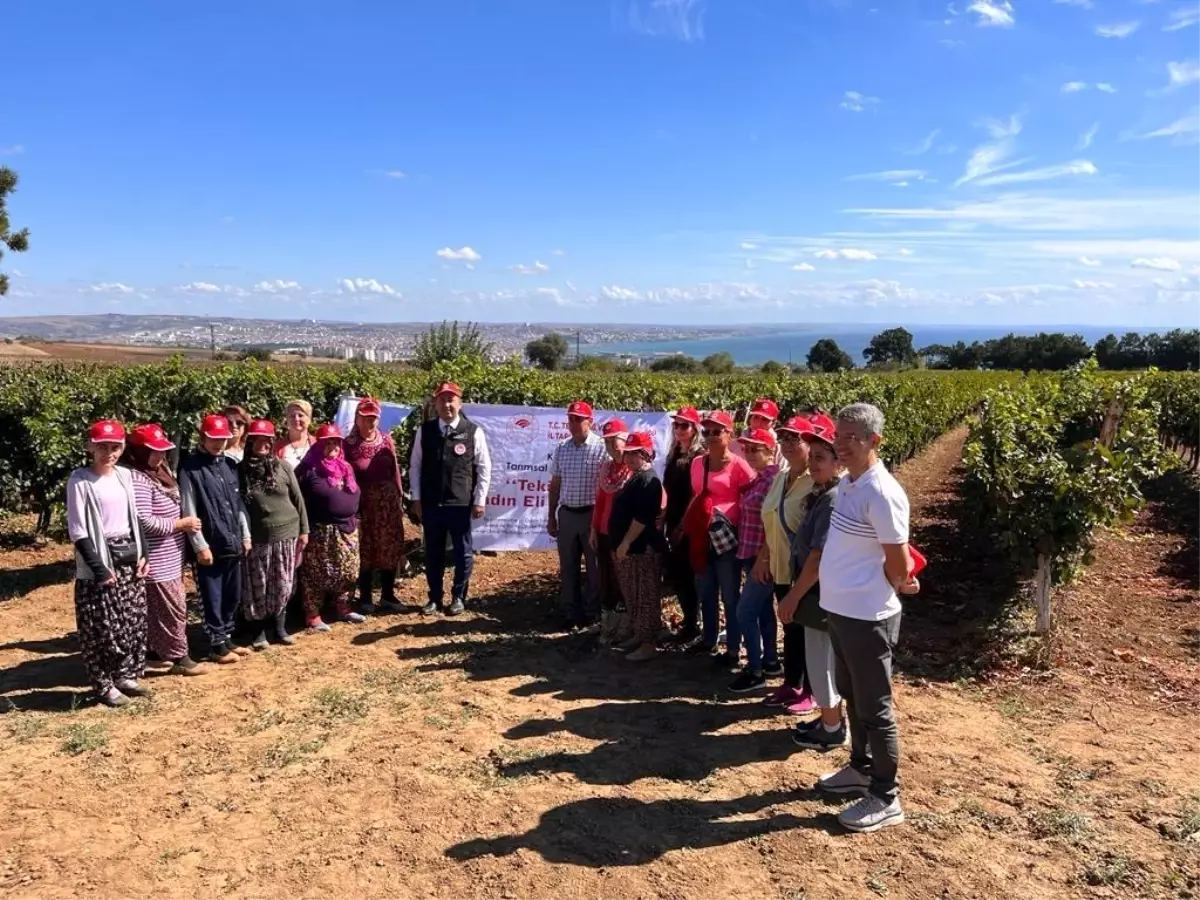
<point>486,756</point>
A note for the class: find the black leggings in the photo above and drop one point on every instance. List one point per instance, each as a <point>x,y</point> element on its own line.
<point>794,672</point>
<point>683,579</point>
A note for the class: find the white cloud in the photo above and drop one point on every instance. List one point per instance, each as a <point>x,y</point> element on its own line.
<point>276,286</point>
<point>558,252</point>
<point>12,150</point>
<point>109,287</point>
<point>892,175</point>
<point>202,287</point>
<point>1046,173</point>
<point>904,251</point>
<point>1118,29</point>
<point>1089,262</point>
<point>951,44</point>
<point>538,268</point>
<point>804,267</point>
<point>1158,263</point>
<point>1183,18</point>
<point>682,20</point>
<point>1074,87</point>
<point>394,174</point>
<point>616,292</point>
<point>1091,285</point>
<point>748,245</point>
<point>926,145</point>
<point>17,273</point>
<point>1180,74</point>
<point>1185,131</point>
<point>365,286</point>
<point>1085,139</point>
<point>993,14</point>
<point>1082,4</point>
<point>465,254</point>
<point>856,102</point>
<point>988,158</point>
<point>848,253</point>
<point>1105,88</point>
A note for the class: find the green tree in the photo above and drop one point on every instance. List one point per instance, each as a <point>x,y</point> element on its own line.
<point>448,342</point>
<point>548,351</point>
<point>16,241</point>
<point>261,354</point>
<point>676,362</point>
<point>773,367</point>
<point>892,346</point>
<point>718,363</point>
<point>826,356</point>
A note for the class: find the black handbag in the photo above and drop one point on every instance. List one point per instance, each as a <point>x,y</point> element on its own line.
<point>123,552</point>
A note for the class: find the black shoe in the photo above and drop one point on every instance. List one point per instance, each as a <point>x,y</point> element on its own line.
<point>820,738</point>
<point>260,640</point>
<point>432,608</point>
<point>725,661</point>
<point>775,670</point>
<point>748,681</point>
<point>456,608</point>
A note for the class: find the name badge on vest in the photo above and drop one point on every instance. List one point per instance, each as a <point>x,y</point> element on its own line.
<point>460,449</point>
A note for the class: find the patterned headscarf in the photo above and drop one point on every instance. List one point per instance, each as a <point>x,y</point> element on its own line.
<point>333,469</point>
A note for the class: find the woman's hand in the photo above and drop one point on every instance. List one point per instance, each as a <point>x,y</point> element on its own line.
<point>108,581</point>
<point>301,543</point>
<point>204,557</point>
<point>762,571</point>
<point>143,568</point>
<point>623,550</point>
<point>787,609</point>
<point>593,539</point>
<point>189,525</point>
<point>910,587</point>
<point>246,545</point>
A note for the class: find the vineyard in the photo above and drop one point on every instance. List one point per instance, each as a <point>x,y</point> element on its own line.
<point>45,409</point>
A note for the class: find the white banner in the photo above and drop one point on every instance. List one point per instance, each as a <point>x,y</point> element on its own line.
<point>521,440</point>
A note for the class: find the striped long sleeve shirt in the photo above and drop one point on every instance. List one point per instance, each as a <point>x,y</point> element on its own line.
<point>158,510</point>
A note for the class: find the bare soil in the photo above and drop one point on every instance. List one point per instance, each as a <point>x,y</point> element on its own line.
<point>491,756</point>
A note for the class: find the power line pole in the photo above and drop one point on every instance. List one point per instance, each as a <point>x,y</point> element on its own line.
<point>577,356</point>
<point>212,339</point>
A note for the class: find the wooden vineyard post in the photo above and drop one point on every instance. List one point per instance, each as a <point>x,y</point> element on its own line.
<point>1041,595</point>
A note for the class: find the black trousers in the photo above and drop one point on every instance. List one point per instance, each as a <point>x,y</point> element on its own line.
<point>683,579</point>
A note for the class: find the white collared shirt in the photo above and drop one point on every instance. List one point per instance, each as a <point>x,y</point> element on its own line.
<point>483,463</point>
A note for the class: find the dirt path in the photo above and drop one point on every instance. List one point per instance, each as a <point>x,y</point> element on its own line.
<point>486,757</point>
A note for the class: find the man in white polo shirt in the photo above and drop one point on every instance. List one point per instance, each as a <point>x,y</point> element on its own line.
<point>864,565</point>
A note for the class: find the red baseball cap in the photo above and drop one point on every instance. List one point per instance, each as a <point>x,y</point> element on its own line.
<point>641,442</point>
<point>368,406</point>
<point>759,436</point>
<point>687,414</point>
<point>798,424</point>
<point>261,428</point>
<point>329,430</point>
<point>152,437</point>
<point>580,409</point>
<point>448,387</point>
<point>822,428</point>
<point>615,428</point>
<point>216,427</point>
<point>107,431</point>
<point>718,417</point>
<point>766,408</point>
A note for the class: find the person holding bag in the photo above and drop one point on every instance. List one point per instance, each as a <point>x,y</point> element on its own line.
<point>710,523</point>
<point>677,483</point>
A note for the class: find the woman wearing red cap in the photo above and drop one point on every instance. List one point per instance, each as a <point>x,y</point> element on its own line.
<point>611,478</point>
<point>278,534</point>
<point>208,489</point>
<point>718,480</point>
<point>633,528</point>
<point>372,454</point>
<point>161,517</point>
<point>331,561</point>
<point>110,564</point>
<point>677,482</point>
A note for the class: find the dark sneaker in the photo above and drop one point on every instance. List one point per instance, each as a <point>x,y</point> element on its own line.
<point>456,608</point>
<point>390,606</point>
<point>431,608</point>
<point>807,724</point>
<point>747,682</point>
<point>818,737</point>
<point>773,670</point>
<point>725,661</point>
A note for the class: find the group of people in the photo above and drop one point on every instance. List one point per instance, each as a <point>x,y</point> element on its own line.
<point>794,524</point>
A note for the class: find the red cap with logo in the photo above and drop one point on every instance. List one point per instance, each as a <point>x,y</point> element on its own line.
<point>368,406</point>
<point>580,409</point>
<point>107,431</point>
<point>152,437</point>
<point>448,387</point>
<point>687,414</point>
<point>261,428</point>
<point>615,428</point>
<point>759,436</point>
<point>329,430</point>
<point>766,408</point>
<point>801,424</point>
<point>822,428</point>
<point>216,427</point>
<point>641,442</point>
<point>719,417</point>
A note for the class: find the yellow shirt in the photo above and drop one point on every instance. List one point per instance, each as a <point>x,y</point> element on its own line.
<point>779,545</point>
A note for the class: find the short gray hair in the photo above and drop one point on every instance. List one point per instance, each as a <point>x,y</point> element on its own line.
<point>870,417</point>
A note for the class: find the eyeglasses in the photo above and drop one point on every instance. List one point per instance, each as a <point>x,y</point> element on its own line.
<point>236,423</point>
<point>713,432</point>
<point>682,426</point>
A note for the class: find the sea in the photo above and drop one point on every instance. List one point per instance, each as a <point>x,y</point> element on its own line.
<point>791,344</point>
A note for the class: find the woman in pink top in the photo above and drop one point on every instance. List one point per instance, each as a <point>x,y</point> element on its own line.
<point>719,478</point>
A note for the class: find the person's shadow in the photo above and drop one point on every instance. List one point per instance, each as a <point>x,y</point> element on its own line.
<point>621,831</point>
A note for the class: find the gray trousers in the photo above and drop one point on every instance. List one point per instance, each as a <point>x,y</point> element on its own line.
<point>579,601</point>
<point>863,672</point>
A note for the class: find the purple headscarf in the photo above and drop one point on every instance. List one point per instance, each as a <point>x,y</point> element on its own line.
<point>333,469</point>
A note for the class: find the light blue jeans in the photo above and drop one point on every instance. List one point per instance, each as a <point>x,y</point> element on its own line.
<point>723,576</point>
<point>757,622</point>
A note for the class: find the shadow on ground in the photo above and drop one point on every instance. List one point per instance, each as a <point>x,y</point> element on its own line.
<point>1175,509</point>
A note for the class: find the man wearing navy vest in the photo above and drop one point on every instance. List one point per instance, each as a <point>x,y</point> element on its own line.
<point>449,474</point>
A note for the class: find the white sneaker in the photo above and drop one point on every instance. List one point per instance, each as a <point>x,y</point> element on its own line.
<point>846,780</point>
<point>871,814</point>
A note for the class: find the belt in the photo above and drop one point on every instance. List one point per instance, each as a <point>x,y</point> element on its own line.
<point>587,508</point>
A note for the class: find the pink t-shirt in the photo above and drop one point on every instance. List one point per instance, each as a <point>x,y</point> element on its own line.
<point>725,486</point>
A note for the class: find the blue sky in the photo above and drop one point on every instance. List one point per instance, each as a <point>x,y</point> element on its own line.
<point>696,161</point>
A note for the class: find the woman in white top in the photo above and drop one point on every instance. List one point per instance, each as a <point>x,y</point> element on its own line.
<point>110,568</point>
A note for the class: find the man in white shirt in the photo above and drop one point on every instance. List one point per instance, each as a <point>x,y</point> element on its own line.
<point>864,565</point>
<point>574,469</point>
<point>449,474</point>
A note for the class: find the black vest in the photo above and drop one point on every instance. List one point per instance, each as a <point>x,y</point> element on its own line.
<point>448,463</point>
<point>218,500</point>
